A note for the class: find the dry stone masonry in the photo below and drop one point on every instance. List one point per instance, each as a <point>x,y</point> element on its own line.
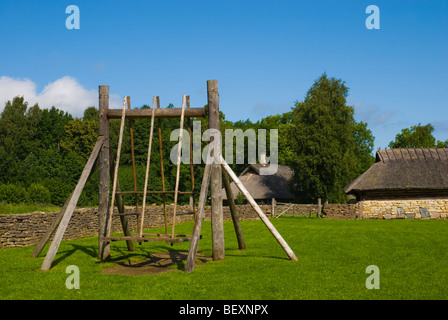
<point>404,209</point>
<point>17,230</point>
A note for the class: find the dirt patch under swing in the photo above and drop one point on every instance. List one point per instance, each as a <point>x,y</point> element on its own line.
<point>156,263</point>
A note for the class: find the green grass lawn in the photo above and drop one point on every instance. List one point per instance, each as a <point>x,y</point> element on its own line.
<point>8,208</point>
<point>412,256</point>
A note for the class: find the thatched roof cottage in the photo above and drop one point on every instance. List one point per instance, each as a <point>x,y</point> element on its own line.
<point>404,182</point>
<point>265,187</point>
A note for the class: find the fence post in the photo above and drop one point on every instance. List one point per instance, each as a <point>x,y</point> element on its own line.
<point>273,208</point>
<point>319,207</point>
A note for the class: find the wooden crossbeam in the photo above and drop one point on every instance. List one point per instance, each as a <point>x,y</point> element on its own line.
<point>144,239</point>
<point>156,192</point>
<point>151,237</point>
<point>159,113</point>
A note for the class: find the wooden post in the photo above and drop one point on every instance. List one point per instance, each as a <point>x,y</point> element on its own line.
<point>273,207</point>
<point>120,206</point>
<point>131,132</point>
<point>117,165</point>
<point>159,122</point>
<point>216,176</point>
<point>260,212</point>
<point>179,151</point>
<point>148,163</point>
<point>104,173</point>
<point>319,207</point>
<point>198,222</point>
<point>233,211</point>
<point>192,198</point>
<point>71,206</point>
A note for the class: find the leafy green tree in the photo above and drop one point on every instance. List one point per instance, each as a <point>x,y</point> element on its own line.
<point>417,137</point>
<point>38,194</point>
<point>18,126</point>
<point>80,137</point>
<point>330,146</point>
<point>364,145</point>
<point>50,129</point>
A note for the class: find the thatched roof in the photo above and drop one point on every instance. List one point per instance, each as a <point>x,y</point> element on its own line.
<point>404,170</point>
<point>264,186</point>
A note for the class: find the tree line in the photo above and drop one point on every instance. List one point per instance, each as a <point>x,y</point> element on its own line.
<point>43,151</point>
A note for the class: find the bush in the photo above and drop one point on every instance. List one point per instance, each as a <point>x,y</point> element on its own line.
<point>38,194</point>
<point>240,198</point>
<point>12,193</point>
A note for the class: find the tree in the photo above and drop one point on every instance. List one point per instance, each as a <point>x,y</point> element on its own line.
<point>417,137</point>
<point>50,129</point>
<point>18,126</point>
<point>331,148</point>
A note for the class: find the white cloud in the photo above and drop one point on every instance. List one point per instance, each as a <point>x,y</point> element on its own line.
<point>372,114</point>
<point>64,93</point>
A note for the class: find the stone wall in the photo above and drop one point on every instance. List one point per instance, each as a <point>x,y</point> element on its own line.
<point>17,230</point>
<point>404,209</point>
<point>341,211</point>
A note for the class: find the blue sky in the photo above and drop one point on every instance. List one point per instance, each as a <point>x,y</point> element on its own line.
<point>264,54</point>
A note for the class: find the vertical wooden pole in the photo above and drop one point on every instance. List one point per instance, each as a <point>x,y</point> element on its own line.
<point>233,211</point>
<point>273,207</point>
<point>179,150</point>
<point>131,131</point>
<point>192,198</point>
<point>120,206</point>
<point>148,163</point>
<point>159,122</point>
<point>104,173</point>
<point>216,176</point>
<point>117,165</point>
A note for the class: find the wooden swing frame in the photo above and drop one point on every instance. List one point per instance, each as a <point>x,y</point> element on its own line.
<point>216,174</point>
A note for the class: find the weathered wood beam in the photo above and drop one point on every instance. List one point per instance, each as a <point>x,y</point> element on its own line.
<point>71,206</point>
<point>233,211</point>
<point>260,212</point>
<point>216,176</point>
<point>179,152</point>
<point>198,222</point>
<point>159,113</point>
<point>104,173</point>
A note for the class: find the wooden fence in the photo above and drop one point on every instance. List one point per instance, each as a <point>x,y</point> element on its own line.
<point>288,209</point>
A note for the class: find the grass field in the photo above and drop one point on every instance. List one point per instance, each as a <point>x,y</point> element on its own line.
<point>412,256</point>
<point>8,208</point>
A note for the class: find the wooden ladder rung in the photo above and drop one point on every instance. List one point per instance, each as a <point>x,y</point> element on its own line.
<point>147,239</point>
